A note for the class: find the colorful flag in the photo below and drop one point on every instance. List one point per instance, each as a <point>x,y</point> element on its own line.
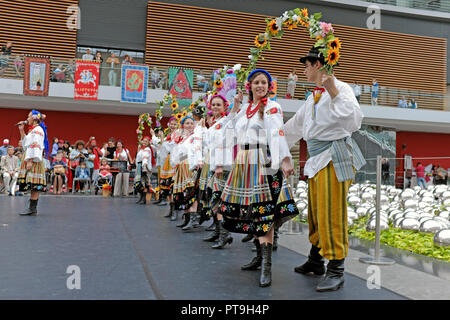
<point>273,96</point>
<point>37,76</point>
<point>180,85</point>
<point>134,83</point>
<point>87,76</point>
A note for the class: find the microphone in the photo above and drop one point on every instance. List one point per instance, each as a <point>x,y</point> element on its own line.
<point>21,122</point>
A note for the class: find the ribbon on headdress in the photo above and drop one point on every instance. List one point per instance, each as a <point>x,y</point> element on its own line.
<point>39,116</point>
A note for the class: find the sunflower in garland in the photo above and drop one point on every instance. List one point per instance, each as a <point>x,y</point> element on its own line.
<point>174,105</point>
<point>184,113</point>
<point>333,57</point>
<point>218,84</point>
<point>179,116</point>
<point>335,44</point>
<point>290,24</point>
<point>260,40</point>
<point>302,17</point>
<point>273,27</point>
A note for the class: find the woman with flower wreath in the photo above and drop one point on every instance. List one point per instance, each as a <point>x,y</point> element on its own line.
<point>256,198</point>
<point>185,158</point>
<point>145,160</point>
<point>326,122</point>
<point>32,171</point>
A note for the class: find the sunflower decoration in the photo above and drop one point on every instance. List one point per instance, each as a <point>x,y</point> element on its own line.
<point>335,44</point>
<point>142,120</point>
<point>179,116</point>
<point>174,105</point>
<point>290,24</point>
<point>303,18</point>
<point>184,113</point>
<point>260,40</point>
<point>333,57</point>
<point>218,84</point>
<point>273,28</point>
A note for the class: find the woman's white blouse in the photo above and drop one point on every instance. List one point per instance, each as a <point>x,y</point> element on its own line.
<point>335,119</point>
<point>145,156</point>
<point>33,144</point>
<point>221,149</point>
<point>266,131</point>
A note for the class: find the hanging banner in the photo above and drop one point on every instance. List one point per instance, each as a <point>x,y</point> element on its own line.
<point>228,90</point>
<point>87,76</point>
<point>36,76</point>
<point>181,84</point>
<point>273,96</point>
<point>134,83</point>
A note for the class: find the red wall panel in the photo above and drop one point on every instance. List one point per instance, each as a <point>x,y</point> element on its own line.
<point>73,126</point>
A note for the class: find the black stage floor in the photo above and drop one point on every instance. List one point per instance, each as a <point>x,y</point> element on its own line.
<point>129,251</point>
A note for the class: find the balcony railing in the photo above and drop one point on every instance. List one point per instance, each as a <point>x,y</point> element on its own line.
<point>13,68</point>
<point>435,5</point>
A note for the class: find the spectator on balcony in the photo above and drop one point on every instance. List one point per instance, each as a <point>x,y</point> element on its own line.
<point>202,83</point>
<point>7,49</point>
<point>98,57</point>
<point>402,103</point>
<point>420,172</point>
<point>292,81</point>
<point>18,65</point>
<point>412,104</point>
<point>59,74</point>
<point>88,56</point>
<point>374,99</point>
<point>357,91</point>
<point>164,81</point>
<point>112,63</point>
<point>9,165</point>
<point>307,93</point>
<point>126,60</point>
<point>5,53</point>
<point>155,78</point>
<point>70,71</point>
<point>4,148</point>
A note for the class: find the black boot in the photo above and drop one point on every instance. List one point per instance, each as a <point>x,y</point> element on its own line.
<point>32,209</point>
<point>224,237</point>
<point>169,214</point>
<point>157,201</point>
<point>275,239</point>
<point>141,198</point>
<point>174,215</point>
<point>256,262</point>
<point>186,217</point>
<point>266,265</point>
<point>212,226</point>
<point>216,232</point>
<point>193,222</point>
<point>247,238</point>
<point>314,264</point>
<point>163,202</point>
<point>334,278</point>
<point>144,198</point>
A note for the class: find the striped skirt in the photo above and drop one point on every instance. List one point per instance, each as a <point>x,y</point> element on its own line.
<point>216,187</point>
<point>166,177</point>
<point>34,179</point>
<point>253,199</point>
<point>185,187</point>
<point>141,179</point>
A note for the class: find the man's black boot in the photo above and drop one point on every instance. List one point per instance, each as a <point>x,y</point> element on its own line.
<point>314,264</point>
<point>256,262</point>
<point>334,278</point>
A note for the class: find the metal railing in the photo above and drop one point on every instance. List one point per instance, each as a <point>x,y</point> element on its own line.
<point>435,5</point>
<point>12,67</point>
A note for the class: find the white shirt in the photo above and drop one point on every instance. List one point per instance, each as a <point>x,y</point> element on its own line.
<point>88,57</point>
<point>335,119</point>
<point>220,150</point>
<point>145,156</point>
<point>266,131</point>
<point>191,148</point>
<point>357,90</point>
<point>33,144</point>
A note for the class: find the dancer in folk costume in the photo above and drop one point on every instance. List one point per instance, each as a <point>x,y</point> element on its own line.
<point>326,122</point>
<point>221,161</point>
<point>157,140</point>
<point>32,171</point>
<point>145,160</point>
<point>185,158</point>
<point>256,198</point>
<point>167,171</point>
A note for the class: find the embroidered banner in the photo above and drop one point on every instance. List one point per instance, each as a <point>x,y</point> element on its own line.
<point>134,83</point>
<point>36,77</point>
<point>180,85</point>
<point>87,75</point>
<point>228,89</point>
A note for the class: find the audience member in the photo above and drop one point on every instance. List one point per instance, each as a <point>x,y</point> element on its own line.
<point>88,56</point>
<point>121,184</point>
<point>112,63</point>
<point>202,83</point>
<point>307,93</point>
<point>357,91</point>
<point>82,172</point>
<point>9,165</point>
<point>90,160</point>
<point>59,172</point>
<point>440,175</point>
<point>104,174</point>
<point>164,82</point>
<point>4,57</point>
<point>110,149</point>
<point>18,66</point>
<point>98,57</point>
<point>126,60</point>
<point>70,71</point>
<point>59,74</point>
<point>98,155</point>
<point>374,99</point>
<point>292,81</point>
<point>420,173</point>
<point>4,148</point>
<point>155,78</point>
<point>402,102</point>
<point>412,104</point>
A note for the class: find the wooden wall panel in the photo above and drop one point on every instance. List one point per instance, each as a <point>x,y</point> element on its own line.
<point>205,38</point>
<point>38,27</point>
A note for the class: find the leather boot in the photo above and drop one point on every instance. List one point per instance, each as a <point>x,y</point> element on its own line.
<point>266,265</point>
<point>174,215</point>
<point>224,237</point>
<point>193,222</point>
<point>334,278</point>
<point>163,201</point>
<point>314,264</point>
<point>141,198</point>
<point>216,232</point>
<point>144,198</point>
<point>32,209</point>
<point>212,227</point>
<point>169,214</point>
<point>256,262</point>
<point>185,218</point>
<point>247,238</point>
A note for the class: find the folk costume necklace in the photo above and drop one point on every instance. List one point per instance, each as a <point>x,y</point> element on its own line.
<point>317,94</point>
<point>251,112</point>
<point>222,114</point>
